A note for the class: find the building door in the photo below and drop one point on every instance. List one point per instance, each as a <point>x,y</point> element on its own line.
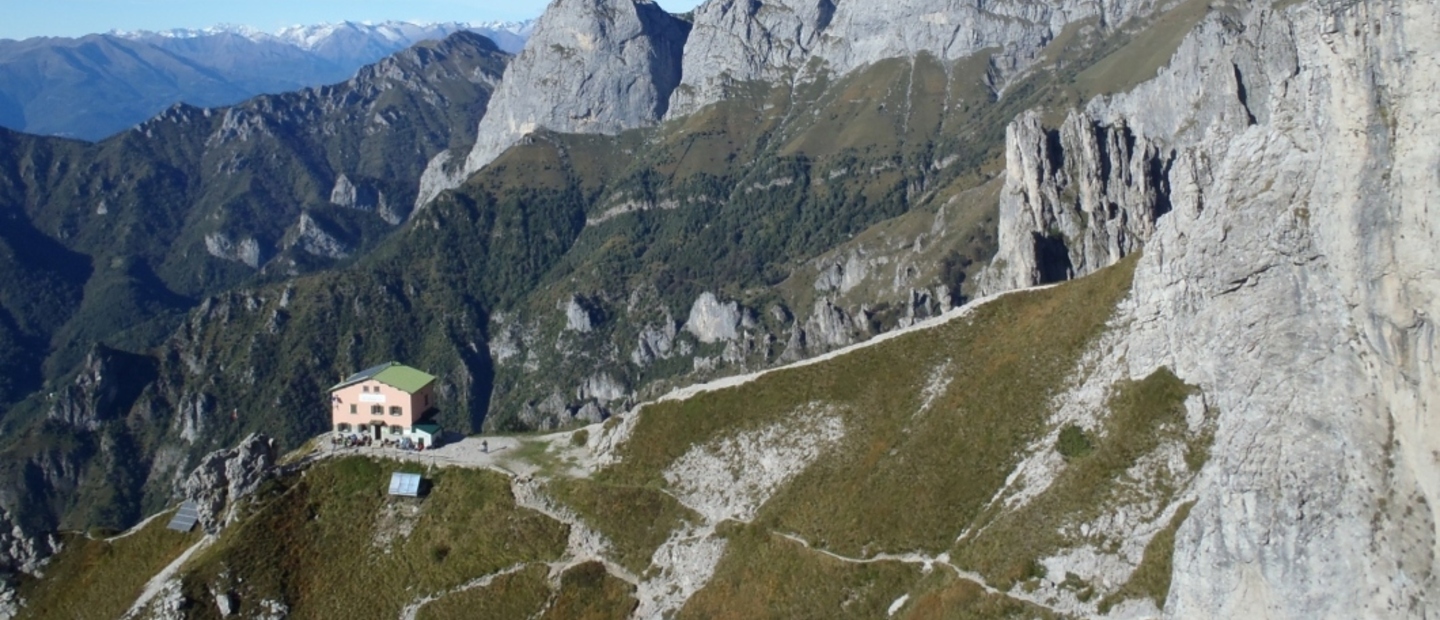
<point>376,426</point>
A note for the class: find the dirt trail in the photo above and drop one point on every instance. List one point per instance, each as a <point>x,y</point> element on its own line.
<point>929,562</point>
<point>686,393</point>
<point>139,526</point>
<point>157,583</point>
<point>413,609</point>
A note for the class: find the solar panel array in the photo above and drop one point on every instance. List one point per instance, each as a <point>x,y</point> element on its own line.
<point>407,485</point>
<point>185,518</point>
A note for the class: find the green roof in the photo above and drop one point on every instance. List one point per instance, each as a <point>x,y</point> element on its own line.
<point>402,377</point>
<point>393,374</point>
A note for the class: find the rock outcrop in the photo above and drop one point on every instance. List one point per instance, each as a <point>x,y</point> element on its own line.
<point>712,321</point>
<point>591,66</point>
<point>1076,199</point>
<point>108,384</point>
<point>224,477</point>
<point>1292,278</point>
<point>20,551</point>
<point>737,41</point>
<point>246,251</point>
<point>313,239</point>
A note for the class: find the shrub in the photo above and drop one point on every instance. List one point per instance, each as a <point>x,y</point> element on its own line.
<point>1073,442</point>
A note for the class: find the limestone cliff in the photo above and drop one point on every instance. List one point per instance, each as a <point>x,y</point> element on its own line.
<point>591,66</point>
<point>1279,175</point>
<point>736,41</point>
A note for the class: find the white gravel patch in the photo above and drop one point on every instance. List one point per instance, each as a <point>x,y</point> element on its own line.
<point>730,478</point>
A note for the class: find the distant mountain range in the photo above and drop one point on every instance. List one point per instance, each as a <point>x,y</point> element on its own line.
<point>94,86</point>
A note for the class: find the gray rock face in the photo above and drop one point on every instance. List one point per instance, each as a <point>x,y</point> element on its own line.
<point>577,316</point>
<point>829,327</point>
<point>711,321</point>
<point>20,551</point>
<point>363,197</point>
<point>548,414</point>
<point>602,388</point>
<point>246,251</point>
<point>344,194</point>
<point>108,383</point>
<point>591,66</point>
<point>737,41</point>
<point>224,477</point>
<point>1293,280</point>
<point>313,239</point>
<point>655,343</point>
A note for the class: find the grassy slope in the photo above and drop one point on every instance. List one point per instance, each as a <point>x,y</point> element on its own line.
<point>314,543</point>
<point>586,592</point>
<point>310,542</point>
<point>99,579</point>
<point>1143,414</point>
<point>519,595</point>
<point>1007,360</point>
<point>904,479</point>
<point>763,576</point>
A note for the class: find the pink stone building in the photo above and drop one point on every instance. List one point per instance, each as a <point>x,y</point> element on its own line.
<point>389,401</point>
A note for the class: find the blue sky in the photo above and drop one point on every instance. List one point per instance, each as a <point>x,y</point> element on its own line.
<point>28,18</point>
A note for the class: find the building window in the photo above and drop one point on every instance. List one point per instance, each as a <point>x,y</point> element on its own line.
<point>365,388</point>
<point>396,430</point>
<point>353,409</point>
<point>342,428</point>
<point>397,411</point>
<point>377,410</point>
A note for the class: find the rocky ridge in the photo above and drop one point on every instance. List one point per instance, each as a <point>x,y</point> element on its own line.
<point>735,41</point>
<point>562,84</point>
<point>47,83</point>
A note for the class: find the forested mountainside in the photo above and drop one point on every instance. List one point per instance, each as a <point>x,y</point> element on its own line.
<point>115,243</point>
<point>1228,414</point>
<point>96,86</point>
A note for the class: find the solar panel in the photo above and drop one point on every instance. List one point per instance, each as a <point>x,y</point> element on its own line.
<point>185,518</point>
<point>407,485</point>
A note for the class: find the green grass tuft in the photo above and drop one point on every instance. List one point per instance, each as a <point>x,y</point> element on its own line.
<point>1073,443</point>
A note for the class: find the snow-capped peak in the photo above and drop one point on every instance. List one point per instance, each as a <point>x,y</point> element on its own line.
<point>312,37</point>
